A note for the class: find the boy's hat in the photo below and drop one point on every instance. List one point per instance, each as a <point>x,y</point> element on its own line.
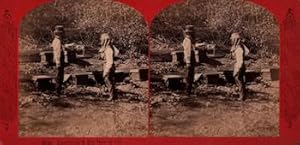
<point>59,29</point>
<point>189,29</point>
<point>105,36</point>
<point>235,36</point>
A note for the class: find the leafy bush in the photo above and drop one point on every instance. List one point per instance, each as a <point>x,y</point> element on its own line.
<point>215,20</point>
<point>84,20</point>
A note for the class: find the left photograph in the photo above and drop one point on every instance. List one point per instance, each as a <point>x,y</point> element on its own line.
<point>83,70</point>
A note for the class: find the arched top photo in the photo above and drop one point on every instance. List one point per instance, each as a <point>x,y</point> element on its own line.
<point>83,70</point>
<point>215,70</point>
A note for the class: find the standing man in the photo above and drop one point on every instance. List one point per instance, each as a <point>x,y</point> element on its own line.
<point>107,52</point>
<point>238,51</point>
<point>189,56</point>
<point>58,56</point>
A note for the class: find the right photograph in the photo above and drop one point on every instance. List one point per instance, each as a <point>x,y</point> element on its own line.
<point>214,70</point>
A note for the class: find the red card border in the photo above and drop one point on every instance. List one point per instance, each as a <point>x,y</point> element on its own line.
<point>288,16</point>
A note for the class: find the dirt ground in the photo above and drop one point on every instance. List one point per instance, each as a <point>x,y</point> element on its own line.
<point>217,114</point>
<point>213,110</point>
<point>81,111</point>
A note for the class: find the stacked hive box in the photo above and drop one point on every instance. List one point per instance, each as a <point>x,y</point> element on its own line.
<point>82,78</point>
<point>252,75</point>
<point>173,81</point>
<point>212,78</point>
<point>139,74</point>
<point>42,82</point>
<point>120,75</point>
<point>270,74</point>
<point>47,57</point>
<point>177,57</point>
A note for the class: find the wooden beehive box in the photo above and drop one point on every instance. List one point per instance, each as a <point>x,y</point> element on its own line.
<point>121,74</point>
<point>270,74</point>
<point>177,57</point>
<point>82,78</point>
<point>47,57</point>
<point>98,75</point>
<point>228,74</point>
<point>211,50</point>
<point>274,74</point>
<point>43,82</point>
<point>70,56</point>
<point>252,75</point>
<point>212,78</point>
<point>139,74</point>
<point>266,74</point>
<point>174,82</point>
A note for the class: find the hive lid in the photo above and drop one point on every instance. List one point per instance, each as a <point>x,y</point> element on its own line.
<point>166,77</point>
<point>178,51</point>
<point>137,70</point>
<point>40,77</point>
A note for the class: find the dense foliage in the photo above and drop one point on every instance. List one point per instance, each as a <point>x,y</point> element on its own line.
<point>215,20</point>
<point>84,20</point>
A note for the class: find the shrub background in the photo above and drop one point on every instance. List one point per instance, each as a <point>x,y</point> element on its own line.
<point>84,20</point>
<point>215,20</point>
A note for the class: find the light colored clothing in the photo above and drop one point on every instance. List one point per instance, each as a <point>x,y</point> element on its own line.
<point>239,55</point>
<point>108,54</point>
<point>189,59</point>
<point>188,48</point>
<point>239,51</point>
<point>58,51</point>
<point>58,56</point>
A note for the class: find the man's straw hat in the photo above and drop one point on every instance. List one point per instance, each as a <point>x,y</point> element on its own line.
<point>59,29</point>
<point>189,29</point>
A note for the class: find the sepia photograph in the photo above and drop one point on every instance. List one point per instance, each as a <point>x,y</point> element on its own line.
<point>149,72</point>
<point>83,70</point>
<point>214,70</point>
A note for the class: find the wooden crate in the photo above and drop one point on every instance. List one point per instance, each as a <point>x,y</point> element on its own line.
<point>212,78</point>
<point>120,75</point>
<point>211,50</point>
<point>139,74</point>
<point>274,74</point>
<point>70,56</point>
<point>228,74</point>
<point>177,57</point>
<point>47,57</point>
<point>82,78</point>
<point>266,74</point>
<point>270,74</point>
<point>200,55</point>
<point>98,75</point>
<point>252,75</point>
<point>80,51</point>
<point>174,82</point>
<point>43,82</point>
